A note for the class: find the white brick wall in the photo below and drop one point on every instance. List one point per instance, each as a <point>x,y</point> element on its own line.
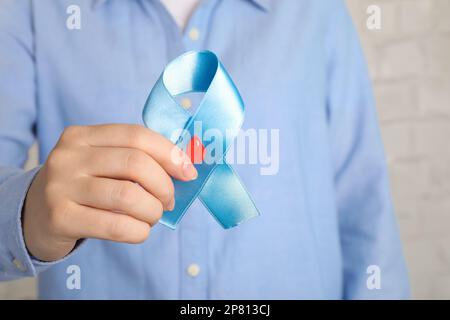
<point>409,60</point>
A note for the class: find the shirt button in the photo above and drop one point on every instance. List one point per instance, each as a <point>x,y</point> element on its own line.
<point>194,34</point>
<point>19,265</point>
<point>186,103</point>
<point>193,270</point>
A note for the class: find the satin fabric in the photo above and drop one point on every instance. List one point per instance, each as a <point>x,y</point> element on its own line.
<point>222,110</point>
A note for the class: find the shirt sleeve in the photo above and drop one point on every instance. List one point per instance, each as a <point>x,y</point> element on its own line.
<point>17,119</point>
<point>373,263</point>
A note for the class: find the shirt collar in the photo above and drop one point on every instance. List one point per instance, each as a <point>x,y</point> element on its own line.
<point>263,4</point>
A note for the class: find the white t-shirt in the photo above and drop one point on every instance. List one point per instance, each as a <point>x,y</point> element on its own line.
<point>181,11</point>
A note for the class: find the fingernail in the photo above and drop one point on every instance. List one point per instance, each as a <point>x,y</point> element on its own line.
<point>171,205</point>
<point>189,171</point>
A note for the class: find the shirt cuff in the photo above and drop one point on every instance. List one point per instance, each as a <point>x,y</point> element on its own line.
<point>15,259</point>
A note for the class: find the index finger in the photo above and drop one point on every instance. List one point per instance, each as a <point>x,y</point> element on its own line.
<point>173,160</point>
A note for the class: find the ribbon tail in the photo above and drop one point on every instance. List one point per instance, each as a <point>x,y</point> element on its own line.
<point>226,198</point>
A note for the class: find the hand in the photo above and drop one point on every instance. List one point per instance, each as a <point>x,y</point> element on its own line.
<point>107,182</point>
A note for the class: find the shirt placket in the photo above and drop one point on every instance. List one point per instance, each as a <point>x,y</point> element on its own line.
<point>193,229</point>
<point>196,31</point>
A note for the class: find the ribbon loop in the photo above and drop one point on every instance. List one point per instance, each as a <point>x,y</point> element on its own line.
<point>222,110</point>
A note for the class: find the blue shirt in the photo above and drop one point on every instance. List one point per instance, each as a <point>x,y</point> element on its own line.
<point>326,216</point>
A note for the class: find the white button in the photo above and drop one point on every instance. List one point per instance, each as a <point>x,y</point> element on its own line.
<point>194,34</point>
<point>193,270</point>
<point>186,103</point>
<point>19,265</point>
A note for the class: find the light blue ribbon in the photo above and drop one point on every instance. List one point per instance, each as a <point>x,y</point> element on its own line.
<point>222,109</point>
